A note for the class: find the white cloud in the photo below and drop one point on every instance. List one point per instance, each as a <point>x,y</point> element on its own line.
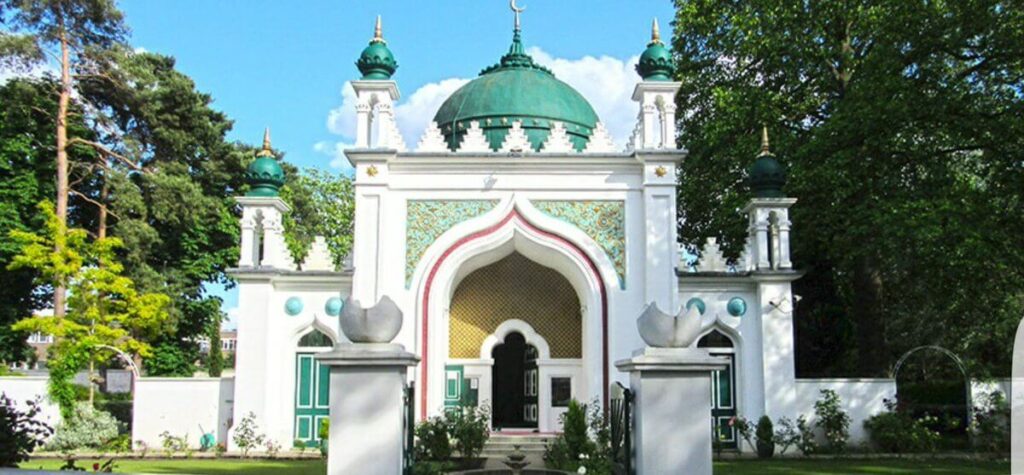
<point>606,82</point>
<point>231,322</point>
<point>34,71</point>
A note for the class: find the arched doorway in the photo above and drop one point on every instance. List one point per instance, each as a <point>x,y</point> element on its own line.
<point>514,383</point>
<point>723,388</point>
<point>312,387</point>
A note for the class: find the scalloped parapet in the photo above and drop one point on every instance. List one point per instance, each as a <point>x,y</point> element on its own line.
<point>558,140</point>
<point>600,141</point>
<point>711,259</point>
<point>474,141</point>
<point>743,263</point>
<point>516,140</point>
<point>432,140</point>
<point>319,256</point>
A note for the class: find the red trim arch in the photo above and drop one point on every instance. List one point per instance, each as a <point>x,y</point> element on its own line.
<point>513,215</point>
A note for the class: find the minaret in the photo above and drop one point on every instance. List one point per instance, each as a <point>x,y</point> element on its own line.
<point>768,211</point>
<point>656,128</point>
<point>262,239</point>
<point>376,94</point>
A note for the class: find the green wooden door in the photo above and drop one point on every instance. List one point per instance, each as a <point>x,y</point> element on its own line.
<point>723,401</point>
<point>312,397</point>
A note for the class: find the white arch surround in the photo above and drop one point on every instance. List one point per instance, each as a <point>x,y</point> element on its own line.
<point>515,325</point>
<point>514,225</point>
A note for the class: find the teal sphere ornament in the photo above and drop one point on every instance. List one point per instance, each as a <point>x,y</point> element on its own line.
<point>293,306</point>
<point>701,307</point>
<point>333,306</point>
<point>737,307</point>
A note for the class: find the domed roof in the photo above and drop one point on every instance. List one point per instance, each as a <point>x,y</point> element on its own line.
<point>767,175</point>
<point>516,89</point>
<point>376,60</point>
<point>264,175</point>
<point>655,62</point>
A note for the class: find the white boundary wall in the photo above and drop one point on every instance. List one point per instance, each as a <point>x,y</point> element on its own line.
<point>24,388</point>
<point>180,406</point>
<point>860,398</point>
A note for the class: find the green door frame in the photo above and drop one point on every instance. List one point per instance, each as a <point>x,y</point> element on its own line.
<point>312,397</point>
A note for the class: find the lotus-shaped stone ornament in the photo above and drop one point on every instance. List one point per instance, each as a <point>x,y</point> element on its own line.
<point>377,324</point>
<point>661,330</point>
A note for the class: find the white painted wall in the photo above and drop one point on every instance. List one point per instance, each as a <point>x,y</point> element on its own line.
<point>861,398</point>
<point>180,406</point>
<point>27,388</point>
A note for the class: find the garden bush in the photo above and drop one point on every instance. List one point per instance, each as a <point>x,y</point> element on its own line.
<point>991,424</point>
<point>432,440</point>
<point>833,420</point>
<point>87,428</point>
<point>897,431</point>
<point>765,438</point>
<point>584,446</point>
<point>468,429</point>
<point>20,431</point>
<point>786,435</point>
<point>247,435</point>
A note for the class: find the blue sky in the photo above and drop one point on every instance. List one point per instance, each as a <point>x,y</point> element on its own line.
<point>285,64</point>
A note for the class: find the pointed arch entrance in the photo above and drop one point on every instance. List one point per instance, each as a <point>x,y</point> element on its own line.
<point>513,228</point>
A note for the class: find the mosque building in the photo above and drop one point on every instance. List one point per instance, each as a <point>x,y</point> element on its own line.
<point>520,245</point>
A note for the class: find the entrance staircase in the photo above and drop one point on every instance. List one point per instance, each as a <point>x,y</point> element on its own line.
<point>501,444</point>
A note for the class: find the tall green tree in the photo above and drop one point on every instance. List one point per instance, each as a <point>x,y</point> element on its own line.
<point>323,204</point>
<point>68,32</point>
<point>107,315</point>
<point>901,126</point>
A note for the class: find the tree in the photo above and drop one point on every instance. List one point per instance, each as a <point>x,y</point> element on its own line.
<point>68,31</point>
<point>899,123</point>
<point>323,204</point>
<point>107,315</point>
<point>215,357</point>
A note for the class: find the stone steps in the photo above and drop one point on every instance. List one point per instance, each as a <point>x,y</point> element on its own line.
<point>501,445</point>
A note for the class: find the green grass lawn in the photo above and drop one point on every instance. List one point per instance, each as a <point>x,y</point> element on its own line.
<point>737,467</point>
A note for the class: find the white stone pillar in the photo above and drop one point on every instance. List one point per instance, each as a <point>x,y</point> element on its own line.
<point>247,246</point>
<point>652,96</point>
<point>363,124</point>
<point>668,126</point>
<point>367,419</point>
<point>784,226</point>
<point>374,109</point>
<point>650,116</point>
<point>264,213</point>
<point>672,430</point>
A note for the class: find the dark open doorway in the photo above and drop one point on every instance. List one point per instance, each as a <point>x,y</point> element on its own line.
<point>514,383</point>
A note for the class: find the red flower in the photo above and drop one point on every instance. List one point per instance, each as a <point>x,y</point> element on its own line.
<point>95,467</point>
<point>732,421</point>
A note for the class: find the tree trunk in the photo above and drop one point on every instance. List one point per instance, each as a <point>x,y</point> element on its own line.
<point>101,222</point>
<point>867,291</point>
<point>92,384</point>
<point>59,291</point>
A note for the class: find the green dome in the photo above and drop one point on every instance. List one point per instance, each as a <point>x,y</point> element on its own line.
<point>264,175</point>
<point>655,62</point>
<point>767,175</point>
<point>516,89</point>
<point>376,61</point>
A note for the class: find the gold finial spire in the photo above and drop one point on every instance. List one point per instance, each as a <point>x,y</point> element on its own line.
<point>655,31</point>
<point>378,35</point>
<point>517,11</point>
<point>266,151</point>
<point>765,150</point>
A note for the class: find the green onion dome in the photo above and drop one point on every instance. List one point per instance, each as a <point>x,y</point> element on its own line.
<point>376,61</point>
<point>516,89</point>
<point>656,61</point>
<point>767,176</point>
<point>264,175</point>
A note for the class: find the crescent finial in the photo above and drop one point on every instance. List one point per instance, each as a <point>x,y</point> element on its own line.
<point>517,10</point>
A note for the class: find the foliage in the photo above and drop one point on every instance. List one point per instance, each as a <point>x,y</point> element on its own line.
<point>271,447</point>
<point>87,428</point>
<point>105,311</point>
<point>247,435</point>
<point>173,443</point>
<point>584,446</point>
<point>744,429</point>
<point>323,204</point>
<point>806,443</point>
<point>170,360</point>
<point>432,441</point>
<point>833,420</point>
<point>432,467</point>
<point>324,431</point>
<point>897,431</point>
<point>765,437</point>
<point>991,424</point>
<point>468,428</point>
<point>120,444</point>
<point>899,125</point>
<point>786,435</point>
<point>20,431</point>
<point>215,357</point>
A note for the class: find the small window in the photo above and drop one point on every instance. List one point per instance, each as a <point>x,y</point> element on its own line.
<point>561,392</point>
<point>316,339</point>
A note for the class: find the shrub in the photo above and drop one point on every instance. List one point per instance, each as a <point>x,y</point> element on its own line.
<point>765,438</point>
<point>247,435</point>
<point>120,444</point>
<point>805,442</point>
<point>991,424</point>
<point>432,467</point>
<point>467,427</point>
<point>86,428</point>
<point>173,443</point>
<point>744,429</point>
<point>574,430</point>
<point>833,420</point>
<point>432,440</point>
<point>897,431</point>
<point>585,443</point>
<point>324,431</point>
<point>786,435</point>
<point>20,431</point>
<point>272,448</point>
